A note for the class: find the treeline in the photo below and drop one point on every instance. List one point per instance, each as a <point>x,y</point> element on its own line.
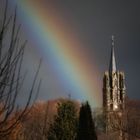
<point>61,119</point>
<point>70,125</point>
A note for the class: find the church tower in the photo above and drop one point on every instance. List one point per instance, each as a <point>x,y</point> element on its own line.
<point>113,85</point>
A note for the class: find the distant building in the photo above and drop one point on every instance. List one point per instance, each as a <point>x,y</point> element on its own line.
<point>114,90</point>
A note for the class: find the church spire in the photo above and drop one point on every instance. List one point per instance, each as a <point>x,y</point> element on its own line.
<point>112,66</point>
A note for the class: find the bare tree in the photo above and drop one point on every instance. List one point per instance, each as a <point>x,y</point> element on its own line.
<point>126,123</point>
<point>122,125</point>
<point>38,121</point>
<point>36,126</point>
<point>11,58</point>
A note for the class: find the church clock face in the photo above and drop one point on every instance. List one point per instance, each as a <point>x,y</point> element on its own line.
<point>115,106</point>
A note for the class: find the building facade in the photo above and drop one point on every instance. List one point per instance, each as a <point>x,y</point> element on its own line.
<point>114,89</point>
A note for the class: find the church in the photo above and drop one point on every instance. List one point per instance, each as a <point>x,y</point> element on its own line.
<point>114,90</point>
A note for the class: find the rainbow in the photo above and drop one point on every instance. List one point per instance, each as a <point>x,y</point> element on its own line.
<point>57,40</point>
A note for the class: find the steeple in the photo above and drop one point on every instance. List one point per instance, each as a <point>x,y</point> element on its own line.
<point>112,66</point>
<point>114,93</point>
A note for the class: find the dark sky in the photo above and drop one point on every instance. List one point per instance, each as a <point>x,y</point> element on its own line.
<point>97,20</point>
<point>94,22</point>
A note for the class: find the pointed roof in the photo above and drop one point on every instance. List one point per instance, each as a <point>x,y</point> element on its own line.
<point>112,66</point>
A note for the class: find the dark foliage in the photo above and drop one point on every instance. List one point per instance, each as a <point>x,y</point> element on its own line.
<point>65,122</point>
<point>86,128</point>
